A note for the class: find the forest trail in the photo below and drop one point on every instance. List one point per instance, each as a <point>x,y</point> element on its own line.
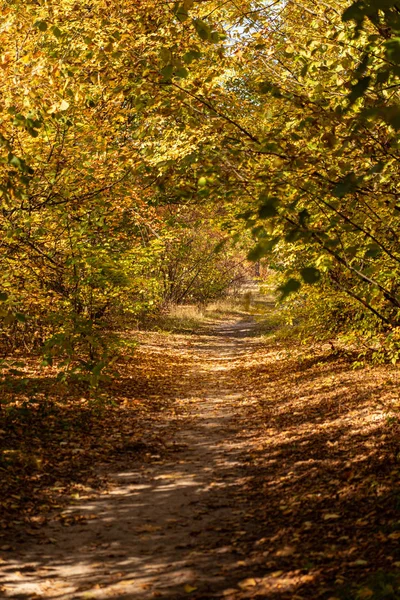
<point>248,487</point>
<point>167,527</point>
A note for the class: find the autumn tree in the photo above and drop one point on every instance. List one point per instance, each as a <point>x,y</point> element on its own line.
<point>277,117</point>
<point>90,157</point>
<point>305,116</point>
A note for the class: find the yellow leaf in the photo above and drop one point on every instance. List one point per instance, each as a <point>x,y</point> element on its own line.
<point>276,573</point>
<point>365,593</point>
<point>286,551</point>
<point>246,583</point>
<point>358,563</point>
<point>331,517</point>
<point>148,528</point>
<point>64,105</point>
<point>189,588</point>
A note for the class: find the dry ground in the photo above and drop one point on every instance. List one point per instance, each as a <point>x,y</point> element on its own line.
<point>231,466</point>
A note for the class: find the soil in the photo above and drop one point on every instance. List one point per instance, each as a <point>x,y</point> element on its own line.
<point>271,474</point>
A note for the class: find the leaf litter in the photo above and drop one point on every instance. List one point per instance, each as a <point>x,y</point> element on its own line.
<point>276,469</point>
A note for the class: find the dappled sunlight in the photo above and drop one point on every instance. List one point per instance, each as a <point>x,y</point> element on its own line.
<point>266,483</point>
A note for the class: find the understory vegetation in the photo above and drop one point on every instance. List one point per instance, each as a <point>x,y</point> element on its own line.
<point>148,151</point>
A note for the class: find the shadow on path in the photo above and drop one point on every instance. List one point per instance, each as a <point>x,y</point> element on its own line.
<point>223,512</point>
<point>167,524</point>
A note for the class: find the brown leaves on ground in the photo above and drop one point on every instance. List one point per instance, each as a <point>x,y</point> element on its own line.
<point>53,438</point>
<point>316,490</point>
<point>326,459</point>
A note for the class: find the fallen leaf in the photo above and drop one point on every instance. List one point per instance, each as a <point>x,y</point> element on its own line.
<point>358,563</point>
<point>64,105</point>
<point>365,593</point>
<point>189,588</point>
<point>127,582</point>
<point>148,528</point>
<point>286,551</point>
<point>246,583</point>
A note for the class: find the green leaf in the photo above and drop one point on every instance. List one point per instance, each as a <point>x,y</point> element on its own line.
<point>167,72</point>
<point>262,249</point>
<point>15,162</point>
<point>359,89</point>
<point>165,54</point>
<point>291,286</point>
<point>352,251</point>
<point>332,243</point>
<point>41,25</point>
<point>268,208</point>
<point>56,32</point>
<point>310,275</point>
<point>347,185</point>
<point>21,318</point>
<point>294,234</point>
<point>182,73</point>
<point>393,50</point>
<point>180,12</point>
<point>256,253</point>
<point>190,56</point>
<point>360,9</point>
<point>383,75</point>
<point>19,119</point>
<point>266,87</point>
<point>203,30</point>
<point>373,251</point>
<point>391,115</point>
<point>220,246</point>
<point>97,369</point>
<point>3,296</point>
<point>304,217</point>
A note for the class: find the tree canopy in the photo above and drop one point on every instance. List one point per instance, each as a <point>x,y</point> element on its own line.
<point>145,144</point>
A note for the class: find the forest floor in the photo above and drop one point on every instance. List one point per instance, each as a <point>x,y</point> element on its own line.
<point>231,465</point>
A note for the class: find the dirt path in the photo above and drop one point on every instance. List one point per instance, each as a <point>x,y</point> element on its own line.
<point>168,528</point>
<point>273,473</point>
